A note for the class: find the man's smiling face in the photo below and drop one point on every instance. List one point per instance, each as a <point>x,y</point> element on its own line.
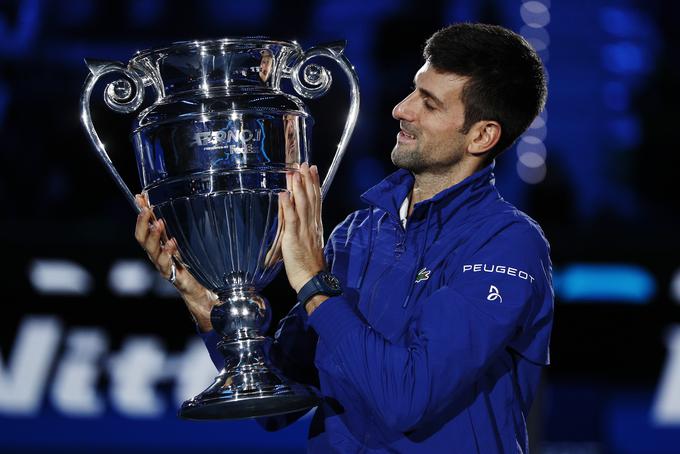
<point>431,118</point>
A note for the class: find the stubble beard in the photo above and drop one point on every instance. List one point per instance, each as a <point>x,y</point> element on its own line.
<point>416,161</point>
<point>411,160</point>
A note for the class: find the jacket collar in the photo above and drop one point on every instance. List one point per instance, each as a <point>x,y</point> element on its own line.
<point>390,193</point>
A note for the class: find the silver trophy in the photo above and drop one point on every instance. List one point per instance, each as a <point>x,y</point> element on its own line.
<point>212,153</point>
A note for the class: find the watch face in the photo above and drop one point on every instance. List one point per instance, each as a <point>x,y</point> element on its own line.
<point>331,281</point>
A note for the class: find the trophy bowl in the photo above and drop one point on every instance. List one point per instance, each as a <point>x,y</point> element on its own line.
<point>213,150</point>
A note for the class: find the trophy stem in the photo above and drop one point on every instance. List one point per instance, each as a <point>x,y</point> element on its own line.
<point>249,385</point>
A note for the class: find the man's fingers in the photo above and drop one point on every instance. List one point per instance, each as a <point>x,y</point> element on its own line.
<point>308,183</point>
<point>151,233</point>
<point>281,217</point>
<point>170,247</point>
<point>300,196</point>
<point>139,201</point>
<point>289,180</point>
<point>311,190</point>
<point>166,259</point>
<point>142,201</point>
<point>314,170</point>
<point>142,226</point>
<point>164,263</point>
<point>152,245</point>
<point>290,217</point>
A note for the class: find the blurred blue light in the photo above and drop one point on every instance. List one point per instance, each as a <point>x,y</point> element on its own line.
<point>535,14</point>
<point>113,433</point>
<point>624,58</point>
<point>60,277</point>
<point>612,283</point>
<point>536,147</point>
<point>630,428</point>
<point>75,12</point>
<point>537,44</point>
<point>72,53</point>
<point>539,38</point>
<point>17,41</point>
<point>622,22</point>
<point>462,11</point>
<point>531,168</point>
<point>616,96</point>
<point>538,123</point>
<point>537,134</point>
<point>146,12</point>
<point>626,131</point>
<point>339,12</point>
<point>252,12</point>
<point>367,172</point>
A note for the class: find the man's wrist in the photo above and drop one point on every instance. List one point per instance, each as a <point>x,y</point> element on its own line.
<point>314,302</point>
<point>200,306</point>
<point>301,282</point>
<point>322,283</point>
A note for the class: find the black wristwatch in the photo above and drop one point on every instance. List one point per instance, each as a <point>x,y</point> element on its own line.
<point>323,283</point>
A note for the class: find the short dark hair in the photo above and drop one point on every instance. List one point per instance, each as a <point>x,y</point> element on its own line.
<point>506,80</point>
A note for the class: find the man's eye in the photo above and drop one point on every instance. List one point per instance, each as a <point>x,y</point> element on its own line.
<point>428,106</point>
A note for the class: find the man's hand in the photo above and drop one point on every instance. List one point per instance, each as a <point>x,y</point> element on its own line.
<point>150,233</point>
<point>302,237</point>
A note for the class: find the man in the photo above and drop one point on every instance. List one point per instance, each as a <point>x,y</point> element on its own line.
<point>437,341</point>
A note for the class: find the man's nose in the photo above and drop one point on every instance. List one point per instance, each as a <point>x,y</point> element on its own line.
<point>403,110</point>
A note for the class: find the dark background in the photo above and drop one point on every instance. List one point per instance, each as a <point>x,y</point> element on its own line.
<point>597,171</point>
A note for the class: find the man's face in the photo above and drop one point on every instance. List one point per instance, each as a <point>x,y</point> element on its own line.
<point>266,64</point>
<point>430,120</point>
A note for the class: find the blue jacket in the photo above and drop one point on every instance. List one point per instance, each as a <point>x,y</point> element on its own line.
<point>437,343</point>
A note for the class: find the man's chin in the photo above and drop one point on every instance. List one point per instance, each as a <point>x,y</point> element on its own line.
<point>397,158</point>
<point>406,161</point>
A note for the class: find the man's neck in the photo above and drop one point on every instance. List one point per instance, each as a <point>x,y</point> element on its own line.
<point>429,184</point>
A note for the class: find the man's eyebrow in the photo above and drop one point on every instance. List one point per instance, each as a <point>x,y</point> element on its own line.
<point>428,94</point>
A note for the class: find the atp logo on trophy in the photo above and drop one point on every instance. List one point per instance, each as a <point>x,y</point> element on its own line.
<point>232,138</point>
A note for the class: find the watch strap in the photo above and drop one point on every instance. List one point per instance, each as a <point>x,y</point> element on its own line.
<point>315,286</point>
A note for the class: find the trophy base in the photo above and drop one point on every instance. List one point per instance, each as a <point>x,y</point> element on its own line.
<point>222,401</point>
<point>249,385</point>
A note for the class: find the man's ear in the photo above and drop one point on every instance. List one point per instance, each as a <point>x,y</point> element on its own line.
<point>483,136</point>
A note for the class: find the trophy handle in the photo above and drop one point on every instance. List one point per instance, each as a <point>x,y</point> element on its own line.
<point>119,97</point>
<point>317,81</point>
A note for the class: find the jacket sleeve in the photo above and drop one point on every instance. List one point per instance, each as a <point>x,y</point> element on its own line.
<point>293,352</point>
<point>459,331</point>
